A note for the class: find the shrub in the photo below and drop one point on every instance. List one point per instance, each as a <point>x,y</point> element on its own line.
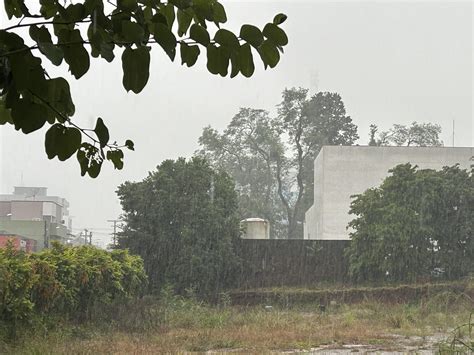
<point>66,281</point>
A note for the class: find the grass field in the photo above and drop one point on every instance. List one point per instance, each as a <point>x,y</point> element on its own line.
<point>174,324</point>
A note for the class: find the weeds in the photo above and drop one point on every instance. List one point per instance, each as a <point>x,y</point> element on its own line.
<point>169,323</point>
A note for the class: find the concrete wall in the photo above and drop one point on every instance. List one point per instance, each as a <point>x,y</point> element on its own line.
<point>343,171</point>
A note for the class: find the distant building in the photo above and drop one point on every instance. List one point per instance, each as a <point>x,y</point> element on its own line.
<point>18,242</point>
<point>343,171</point>
<point>30,213</point>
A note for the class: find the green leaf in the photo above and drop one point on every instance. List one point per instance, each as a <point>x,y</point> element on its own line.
<point>181,4</point>
<point>279,19</point>
<point>100,43</point>
<point>127,5</point>
<point>203,10</point>
<point>218,13</point>
<point>75,12</point>
<point>217,60</point>
<point>269,54</point>
<point>199,34</point>
<point>227,39</point>
<point>42,37</point>
<point>74,52</point>
<point>165,39</point>
<point>92,6</point>
<point>184,21</point>
<point>136,66</point>
<point>62,141</point>
<point>168,12</point>
<point>94,168</point>
<point>53,53</point>
<point>116,157</point>
<point>14,8</point>
<point>275,34</point>
<point>59,97</point>
<point>129,144</point>
<point>102,132</point>
<point>83,161</point>
<point>5,114</point>
<point>234,62</point>
<point>252,35</point>
<point>49,8</point>
<point>28,116</point>
<point>246,64</point>
<point>189,54</point>
<point>132,31</point>
<point>89,159</point>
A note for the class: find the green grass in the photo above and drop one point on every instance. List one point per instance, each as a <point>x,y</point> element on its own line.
<point>175,324</point>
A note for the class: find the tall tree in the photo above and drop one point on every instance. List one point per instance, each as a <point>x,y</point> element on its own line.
<point>182,220</point>
<point>415,222</point>
<point>418,134</point>
<point>271,158</point>
<point>33,98</point>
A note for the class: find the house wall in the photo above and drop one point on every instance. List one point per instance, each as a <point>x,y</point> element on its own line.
<point>343,171</point>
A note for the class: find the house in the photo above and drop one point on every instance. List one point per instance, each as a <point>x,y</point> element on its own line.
<point>31,213</point>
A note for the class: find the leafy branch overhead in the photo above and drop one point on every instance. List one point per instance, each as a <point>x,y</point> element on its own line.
<point>30,98</point>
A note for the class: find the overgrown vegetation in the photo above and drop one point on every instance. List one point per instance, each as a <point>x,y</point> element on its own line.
<point>417,225</point>
<point>171,323</point>
<point>65,282</point>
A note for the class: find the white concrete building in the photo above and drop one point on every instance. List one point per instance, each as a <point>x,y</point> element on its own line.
<point>343,171</point>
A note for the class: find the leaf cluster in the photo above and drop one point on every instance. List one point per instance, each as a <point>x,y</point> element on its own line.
<point>32,98</point>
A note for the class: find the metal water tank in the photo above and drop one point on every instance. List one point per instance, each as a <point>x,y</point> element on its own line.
<point>255,228</point>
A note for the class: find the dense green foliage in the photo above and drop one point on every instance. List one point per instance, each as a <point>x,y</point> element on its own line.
<point>182,220</point>
<point>32,98</point>
<point>64,280</point>
<point>271,158</point>
<point>417,224</point>
<point>418,134</point>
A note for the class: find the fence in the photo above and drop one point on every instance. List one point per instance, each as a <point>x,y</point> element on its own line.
<point>277,262</point>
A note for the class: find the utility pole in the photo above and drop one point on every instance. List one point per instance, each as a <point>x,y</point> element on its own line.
<point>114,234</point>
<point>453,133</point>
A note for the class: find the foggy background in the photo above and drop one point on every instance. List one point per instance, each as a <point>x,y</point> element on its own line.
<point>390,62</point>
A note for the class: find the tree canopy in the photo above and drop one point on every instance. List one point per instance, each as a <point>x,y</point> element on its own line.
<point>271,157</point>
<point>182,220</point>
<point>418,134</point>
<point>31,98</point>
<point>416,223</point>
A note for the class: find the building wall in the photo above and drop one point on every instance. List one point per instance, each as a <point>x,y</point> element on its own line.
<point>42,232</point>
<point>26,210</point>
<point>343,171</point>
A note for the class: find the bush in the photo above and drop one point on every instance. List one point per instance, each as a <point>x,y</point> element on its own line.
<point>66,281</point>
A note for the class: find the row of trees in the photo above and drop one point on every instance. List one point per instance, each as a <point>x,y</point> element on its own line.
<point>418,222</point>
<point>271,157</point>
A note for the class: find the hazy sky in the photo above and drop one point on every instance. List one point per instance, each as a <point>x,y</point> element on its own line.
<point>392,62</point>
